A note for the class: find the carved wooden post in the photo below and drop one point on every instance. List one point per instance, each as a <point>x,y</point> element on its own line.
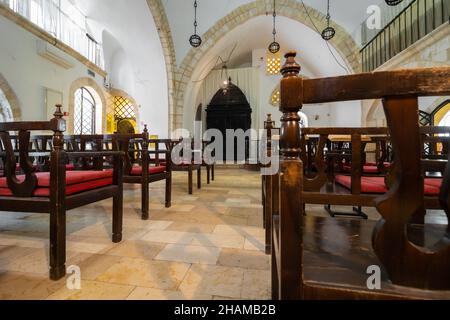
<point>58,198</point>
<point>269,125</point>
<point>145,178</point>
<point>291,180</point>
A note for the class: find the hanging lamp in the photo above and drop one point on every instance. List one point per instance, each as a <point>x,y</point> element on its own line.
<point>195,40</point>
<point>274,47</point>
<point>393,2</point>
<point>328,33</point>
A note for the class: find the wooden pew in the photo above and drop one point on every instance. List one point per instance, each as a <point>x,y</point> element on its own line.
<point>57,191</point>
<point>325,258</point>
<point>187,164</point>
<point>138,166</point>
<point>139,169</point>
<point>135,148</point>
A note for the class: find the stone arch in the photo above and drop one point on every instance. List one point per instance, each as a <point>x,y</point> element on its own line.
<point>13,101</point>
<point>292,9</point>
<point>165,35</point>
<point>90,83</point>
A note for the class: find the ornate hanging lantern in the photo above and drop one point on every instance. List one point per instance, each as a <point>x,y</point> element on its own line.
<point>393,2</point>
<point>195,40</point>
<point>274,47</point>
<point>328,33</point>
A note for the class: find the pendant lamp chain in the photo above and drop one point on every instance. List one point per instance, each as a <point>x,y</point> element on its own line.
<point>195,39</point>
<point>274,47</point>
<point>328,33</point>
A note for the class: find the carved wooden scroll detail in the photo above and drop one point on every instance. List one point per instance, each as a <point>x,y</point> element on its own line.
<point>406,263</point>
<point>320,177</point>
<point>19,188</point>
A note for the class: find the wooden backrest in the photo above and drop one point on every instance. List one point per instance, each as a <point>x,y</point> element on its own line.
<point>26,187</point>
<point>406,264</point>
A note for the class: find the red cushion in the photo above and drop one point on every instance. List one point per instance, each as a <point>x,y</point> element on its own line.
<point>76,181</point>
<point>70,167</point>
<point>137,171</point>
<point>377,185</point>
<point>433,187</point>
<point>368,184</point>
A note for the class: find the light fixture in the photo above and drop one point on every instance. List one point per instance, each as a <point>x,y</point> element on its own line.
<point>328,33</point>
<point>393,2</point>
<point>195,40</point>
<point>274,47</point>
<point>224,78</point>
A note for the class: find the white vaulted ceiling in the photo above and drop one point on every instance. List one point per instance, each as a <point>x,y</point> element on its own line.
<point>347,13</point>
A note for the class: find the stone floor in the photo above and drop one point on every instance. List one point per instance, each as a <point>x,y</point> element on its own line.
<point>206,246</point>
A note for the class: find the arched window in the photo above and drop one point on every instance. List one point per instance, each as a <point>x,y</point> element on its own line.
<point>5,109</point>
<point>441,115</point>
<point>84,112</point>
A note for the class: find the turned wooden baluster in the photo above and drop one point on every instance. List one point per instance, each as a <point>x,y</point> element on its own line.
<point>269,125</point>
<point>291,177</point>
<point>58,161</point>
<point>406,263</point>
<point>145,178</point>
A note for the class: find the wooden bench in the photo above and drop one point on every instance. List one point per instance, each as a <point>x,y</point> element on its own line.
<point>186,162</point>
<point>342,250</point>
<point>57,191</point>
<point>138,166</point>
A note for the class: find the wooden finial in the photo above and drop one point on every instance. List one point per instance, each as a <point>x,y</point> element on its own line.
<point>58,113</point>
<point>145,128</point>
<point>291,94</point>
<point>290,67</point>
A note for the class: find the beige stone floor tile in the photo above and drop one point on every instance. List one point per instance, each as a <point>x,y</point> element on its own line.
<point>213,280</point>
<point>219,240</point>
<point>256,285</point>
<point>237,205</point>
<point>181,208</point>
<point>140,293</point>
<point>245,259</point>
<point>88,245</point>
<point>137,249</point>
<point>189,254</point>
<point>244,212</point>
<point>242,230</point>
<point>92,290</point>
<point>255,221</point>
<point>173,237</point>
<point>150,274</point>
<point>146,224</point>
<point>27,286</point>
<point>219,298</point>
<point>92,265</point>
<point>191,227</point>
<point>243,200</point>
<point>255,243</point>
<point>36,262</point>
<point>10,253</point>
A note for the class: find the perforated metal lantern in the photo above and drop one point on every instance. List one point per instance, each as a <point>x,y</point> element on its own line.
<point>195,41</point>
<point>393,2</point>
<point>274,47</point>
<point>328,33</point>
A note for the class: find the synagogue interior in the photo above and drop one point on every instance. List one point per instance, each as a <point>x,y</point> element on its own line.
<point>224,150</point>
